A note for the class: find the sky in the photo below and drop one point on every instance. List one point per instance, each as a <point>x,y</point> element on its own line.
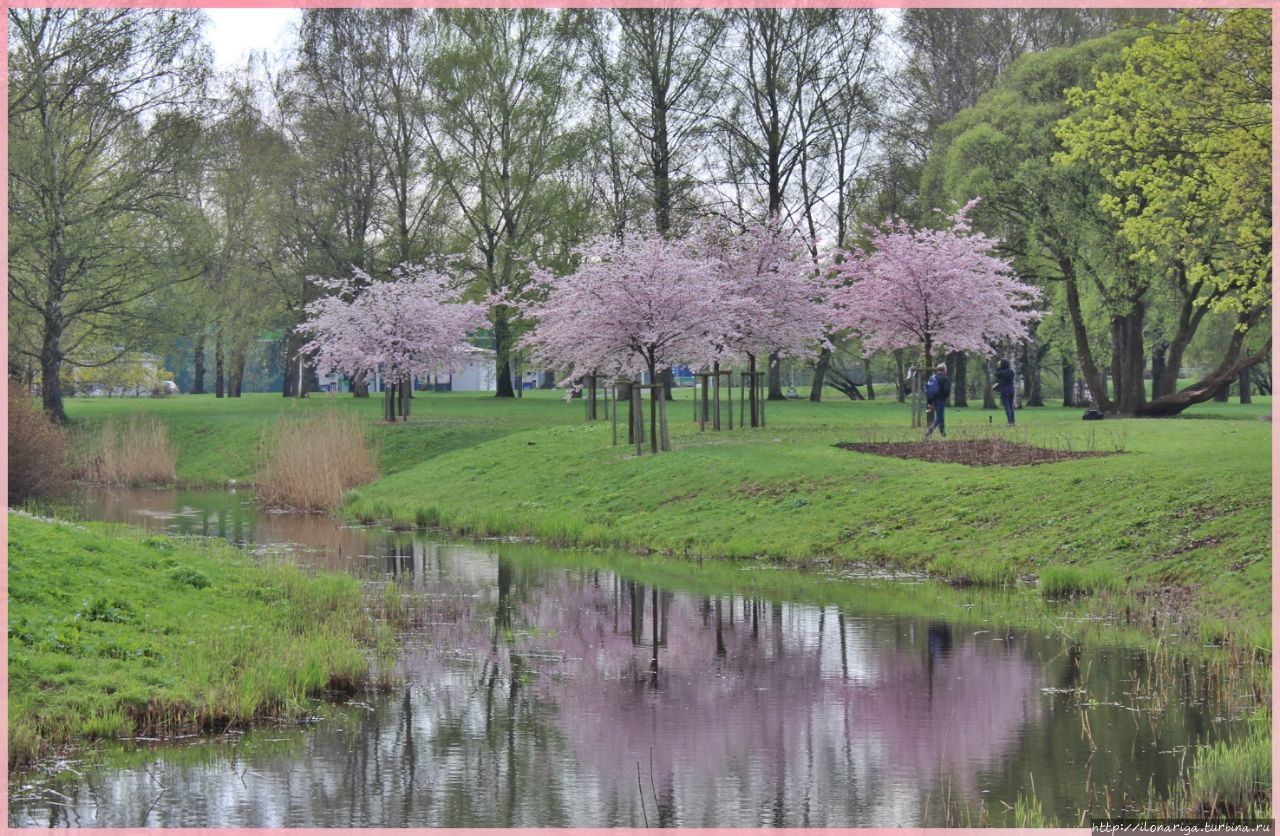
<point>234,32</point>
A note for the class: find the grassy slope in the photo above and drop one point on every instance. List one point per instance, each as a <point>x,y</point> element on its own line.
<point>1186,507</point>
<point>113,633</point>
<point>217,439</point>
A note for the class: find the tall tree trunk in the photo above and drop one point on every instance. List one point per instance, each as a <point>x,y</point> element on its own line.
<point>1036,397</point>
<point>1088,367</point>
<point>775,377</point>
<point>1229,369</point>
<point>988,394</point>
<point>219,373</point>
<point>866,374</point>
<point>1223,394</point>
<point>197,360</point>
<point>1126,359</point>
<point>902,376</point>
<point>1157,369</point>
<point>1068,384</point>
<point>502,350</point>
<point>360,385</point>
<point>1246,396</point>
<point>956,365</point>
<point>51,372</point>
<point>820,375</point>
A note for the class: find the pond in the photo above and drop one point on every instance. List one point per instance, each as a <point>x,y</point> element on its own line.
<point>538,688</point>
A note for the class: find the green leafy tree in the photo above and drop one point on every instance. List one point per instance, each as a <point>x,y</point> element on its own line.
<point>98,104</point>
<point>1182,135</point>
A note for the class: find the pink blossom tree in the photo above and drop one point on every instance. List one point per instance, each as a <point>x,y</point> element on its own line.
<point>633,307</point>
<point>935,288</point>
<point>414,324</point>
<point>778,297</point>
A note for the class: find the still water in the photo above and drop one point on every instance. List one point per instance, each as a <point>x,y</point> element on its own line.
<point>536,689</point>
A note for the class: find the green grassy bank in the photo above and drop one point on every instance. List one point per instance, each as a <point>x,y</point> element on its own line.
<point>1181,512</point>
<point>217,439</point>
<point>115,633</point>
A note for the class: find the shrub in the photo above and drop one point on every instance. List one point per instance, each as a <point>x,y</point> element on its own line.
<point>137,453</point>
<point>37,450</point>
<point>310,463</point>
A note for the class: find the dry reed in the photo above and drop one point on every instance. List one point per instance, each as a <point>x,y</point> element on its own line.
<point>309,464</point>
<point>137,453</point>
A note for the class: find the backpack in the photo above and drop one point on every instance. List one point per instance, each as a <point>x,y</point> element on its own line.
<point>931,388</point>
<point>1092,415</point>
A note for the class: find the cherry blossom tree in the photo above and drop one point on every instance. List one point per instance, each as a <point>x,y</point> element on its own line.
<point>936,288</point>
<point>415,324</point>
<point>633,307</point>
<point>777,305</point>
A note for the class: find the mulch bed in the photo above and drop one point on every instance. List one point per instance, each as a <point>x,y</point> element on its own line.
<point>978,452</point>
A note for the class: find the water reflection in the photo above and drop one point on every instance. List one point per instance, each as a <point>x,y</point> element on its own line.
<point>538,695</point>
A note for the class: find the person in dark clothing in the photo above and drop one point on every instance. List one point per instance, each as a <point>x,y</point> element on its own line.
<point>936,390</point>
<point>1004,385</point>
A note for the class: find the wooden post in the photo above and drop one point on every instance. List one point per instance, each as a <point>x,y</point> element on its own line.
<point>662,419</point>
<point>760,400</point>
<point>653,414</point>
<point>730,389</point>
<point>615,413</point>
<point>702,418</point>
<point>637,419</point>
<point>742,404</point>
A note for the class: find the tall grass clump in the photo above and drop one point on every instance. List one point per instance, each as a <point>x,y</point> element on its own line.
<point>1233,778</point>
<point>309,464</point>
<point>136,453</point>
<point>1067,581</point>
<point>37,450</point>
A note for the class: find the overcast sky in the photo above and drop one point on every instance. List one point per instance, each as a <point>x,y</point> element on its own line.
<point>234,32</point>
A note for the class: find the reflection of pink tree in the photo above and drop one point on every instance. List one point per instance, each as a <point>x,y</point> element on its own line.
<point>937,288</point>
<point>756,695</point>
<point>415,324</point>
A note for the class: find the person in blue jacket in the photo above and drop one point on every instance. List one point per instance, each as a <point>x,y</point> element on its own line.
<point>1004,385</point>
<point>936,391</point>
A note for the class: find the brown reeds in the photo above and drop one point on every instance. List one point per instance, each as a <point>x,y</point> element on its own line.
<point>308,464</point>
<point>136,453</point>
<point>37,450</point>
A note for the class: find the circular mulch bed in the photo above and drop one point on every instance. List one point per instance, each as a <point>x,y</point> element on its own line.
<point>978,452</point>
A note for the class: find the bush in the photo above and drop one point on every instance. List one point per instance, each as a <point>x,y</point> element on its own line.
<point>37,450</point>
<point>309,464</point>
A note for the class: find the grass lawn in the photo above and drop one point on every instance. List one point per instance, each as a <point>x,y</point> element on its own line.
<point>114,633</point>
<point>1183,510</point>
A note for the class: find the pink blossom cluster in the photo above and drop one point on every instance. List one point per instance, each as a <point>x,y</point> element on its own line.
<point>937,288</point>
<point>649,303</point>
<point>414,324</point>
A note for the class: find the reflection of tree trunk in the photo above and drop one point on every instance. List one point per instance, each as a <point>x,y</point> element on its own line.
<point>820,375</point>
<point>720,651</point>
